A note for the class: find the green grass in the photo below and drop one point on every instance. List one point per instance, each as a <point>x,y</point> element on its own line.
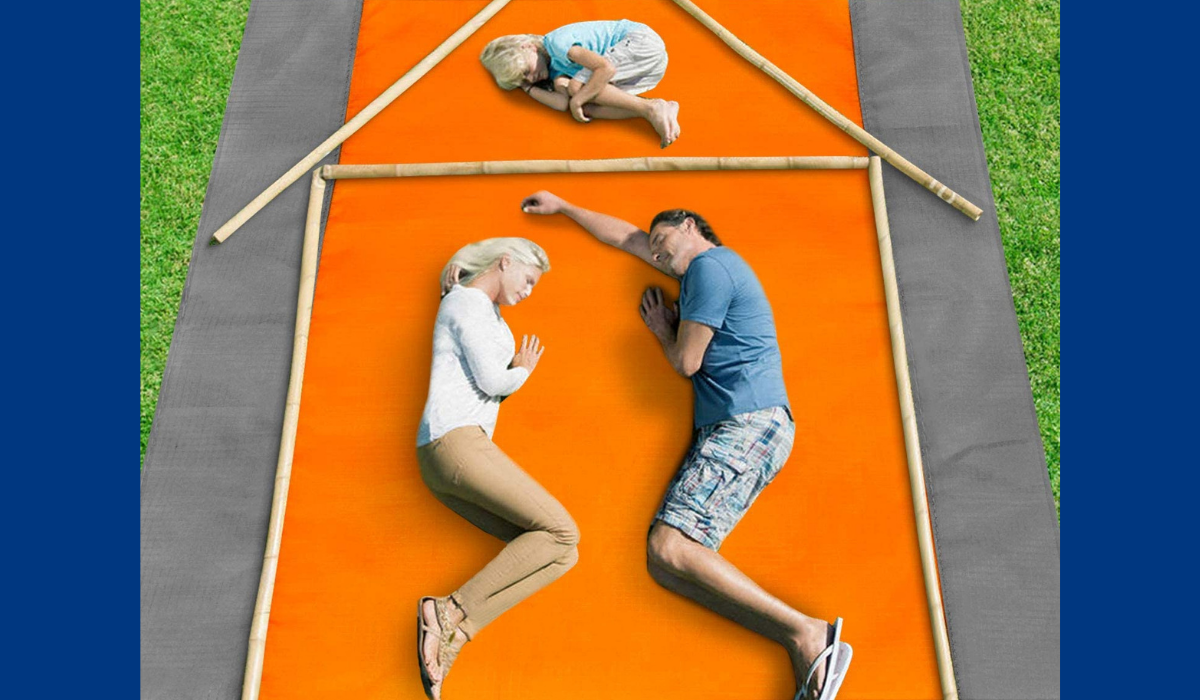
<point>1013,49</point>
<point>189,48</point>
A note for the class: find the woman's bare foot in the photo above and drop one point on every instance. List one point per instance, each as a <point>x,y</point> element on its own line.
<point>806,646</point>
<point>664,117</point>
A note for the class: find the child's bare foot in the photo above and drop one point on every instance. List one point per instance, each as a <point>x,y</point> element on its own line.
<point>673,113</point>
<point>664,118</point>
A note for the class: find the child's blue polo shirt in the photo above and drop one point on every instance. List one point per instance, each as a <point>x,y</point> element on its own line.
<point>598,36</point>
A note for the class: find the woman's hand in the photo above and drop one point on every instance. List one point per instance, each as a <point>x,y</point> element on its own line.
<point>529,354</point>
<point>543,202</point>
<point>450,277</point>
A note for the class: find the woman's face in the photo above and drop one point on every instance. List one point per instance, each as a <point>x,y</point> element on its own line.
<point>517,280</point>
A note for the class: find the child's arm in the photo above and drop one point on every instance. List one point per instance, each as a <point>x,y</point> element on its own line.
<point>602,72</point>
<point>551,99</point>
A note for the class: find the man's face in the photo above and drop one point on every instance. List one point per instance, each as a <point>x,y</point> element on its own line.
<point>670,247</point>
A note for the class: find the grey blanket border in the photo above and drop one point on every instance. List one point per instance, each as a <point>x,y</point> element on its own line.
<point>991,505</point>
<point>208,476</point>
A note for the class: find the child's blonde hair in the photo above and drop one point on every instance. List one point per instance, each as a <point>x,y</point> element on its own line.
<point>504,59</point>
<point>477,258</point>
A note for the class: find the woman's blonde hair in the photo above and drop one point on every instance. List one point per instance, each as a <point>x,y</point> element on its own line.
<point>477,258</point>
<point>504,59</point>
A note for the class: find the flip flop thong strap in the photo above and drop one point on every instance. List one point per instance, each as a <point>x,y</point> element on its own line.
<point>813,669</point>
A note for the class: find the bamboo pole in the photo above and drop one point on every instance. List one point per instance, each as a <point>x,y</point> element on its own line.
<point>609,165</point>
<point>912,445</point>
<point>855,131</point>
<point>367,113</point>
<point>287,442</point>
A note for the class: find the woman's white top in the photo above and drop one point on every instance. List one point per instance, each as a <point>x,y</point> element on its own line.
<point>472,348</point>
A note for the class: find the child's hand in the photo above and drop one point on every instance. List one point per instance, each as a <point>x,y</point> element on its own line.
<point>543,202</point>
<point>576,108</point>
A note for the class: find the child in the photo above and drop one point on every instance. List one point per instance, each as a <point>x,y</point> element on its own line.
<point>591,69</point>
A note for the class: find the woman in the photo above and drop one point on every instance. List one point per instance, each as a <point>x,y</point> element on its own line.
<point>474,368</point>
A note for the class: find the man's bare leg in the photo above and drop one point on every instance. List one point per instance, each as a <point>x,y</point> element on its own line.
<point>694,571</point>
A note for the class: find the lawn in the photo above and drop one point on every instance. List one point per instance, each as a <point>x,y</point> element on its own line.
<point>189,49</point>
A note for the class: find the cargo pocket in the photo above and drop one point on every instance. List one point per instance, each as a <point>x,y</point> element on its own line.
<point>730,443</point>
<point>707,484</point>
<point>720,465</point>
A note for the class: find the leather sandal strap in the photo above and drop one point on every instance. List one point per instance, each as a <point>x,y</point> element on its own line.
<point>447,653</point>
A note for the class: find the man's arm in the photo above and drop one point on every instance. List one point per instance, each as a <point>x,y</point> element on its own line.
<point>683,342</point>
<point>607,229</point>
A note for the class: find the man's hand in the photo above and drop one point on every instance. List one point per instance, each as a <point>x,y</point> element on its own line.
<point>529,354</point>
<point>450,277</point>
<point>576,108</point>
<point>683,342</point>
<point>661,319</point>
<point>543,202</point>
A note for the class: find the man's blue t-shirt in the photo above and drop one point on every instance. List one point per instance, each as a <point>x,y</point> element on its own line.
<point>742,369</point>
<point>598,36</point>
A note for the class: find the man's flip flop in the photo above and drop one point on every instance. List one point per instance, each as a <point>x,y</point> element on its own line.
<point>837,655</point>
<point>844,654</point>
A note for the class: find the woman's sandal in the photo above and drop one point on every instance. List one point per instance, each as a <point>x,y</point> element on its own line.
<point>427,681</point>
<point>446,651</point>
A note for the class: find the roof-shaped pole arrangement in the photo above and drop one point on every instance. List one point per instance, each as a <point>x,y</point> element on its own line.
<point>455,40</point>
<point>839,120</point>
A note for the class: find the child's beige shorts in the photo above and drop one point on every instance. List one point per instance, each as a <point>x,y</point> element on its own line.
<point>640,59</point>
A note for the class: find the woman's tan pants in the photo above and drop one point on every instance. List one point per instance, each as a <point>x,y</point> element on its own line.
<point>468,473</point>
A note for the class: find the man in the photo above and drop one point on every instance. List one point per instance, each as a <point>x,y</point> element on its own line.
<point>721,335</point>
